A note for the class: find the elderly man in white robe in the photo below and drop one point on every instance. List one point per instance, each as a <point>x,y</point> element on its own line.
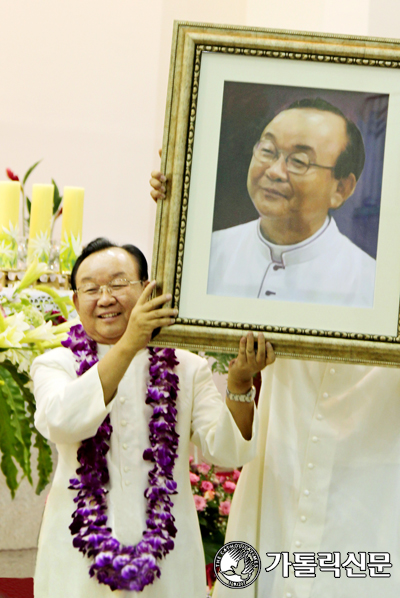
<point>305,165</point>
<point>122,423</point>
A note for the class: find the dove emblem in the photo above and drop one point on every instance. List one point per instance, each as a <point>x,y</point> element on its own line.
<point>237,564</point>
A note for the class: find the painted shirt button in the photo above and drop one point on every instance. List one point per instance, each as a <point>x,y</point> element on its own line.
<point>332,371</point>
<point>126,468</point>
<point>297,543</point>
<point>306,492</point>
<point>127,483</point>
<point>310,466</point>
<point>288,595</point>
<point>325,395</point>
<point>315,439</point>
<point>303,518</point>
<point>124,422</point>
<point>122,400</point>
<point>319,416</point>
<point>124,446</point>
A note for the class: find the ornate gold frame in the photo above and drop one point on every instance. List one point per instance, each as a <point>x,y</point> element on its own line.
<point>190,40</point>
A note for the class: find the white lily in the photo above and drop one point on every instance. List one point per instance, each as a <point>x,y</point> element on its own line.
<point>65,326</point>
<point>44,332</point>
<point>55,343</point>
<point>33,272</point>
<point>22,359</point>
<point>13,330</point>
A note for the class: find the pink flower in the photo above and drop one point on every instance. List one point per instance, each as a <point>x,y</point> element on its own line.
<point>204,468</point>
<point>191,459</point>
<point>222,475</point>
<point>225,507</point>
<point>193,478</point>
<point>209,495</point>
<point>200,502</point>
<point>57,318</point>
<point>236,475</point>
<point>11,175</point>
<point>206,485</point>
<point>229,487</point>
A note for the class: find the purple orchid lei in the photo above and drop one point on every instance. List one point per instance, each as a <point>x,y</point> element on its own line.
<point>118,566</point>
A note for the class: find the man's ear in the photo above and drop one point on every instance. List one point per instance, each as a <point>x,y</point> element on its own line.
<point>75,299</point>
<point>342,191</point>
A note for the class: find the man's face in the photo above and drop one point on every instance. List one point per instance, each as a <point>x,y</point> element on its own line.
<point>105,319</point>
<point>299,199</point>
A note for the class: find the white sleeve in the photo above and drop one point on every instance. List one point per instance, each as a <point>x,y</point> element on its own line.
<point>68,409</point>
<point>214,430</point>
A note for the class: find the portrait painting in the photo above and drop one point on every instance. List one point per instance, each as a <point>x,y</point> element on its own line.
<point>281,151</point>
<point>290,228</point>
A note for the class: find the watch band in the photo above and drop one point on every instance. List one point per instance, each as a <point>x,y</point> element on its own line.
<point>248,397</point>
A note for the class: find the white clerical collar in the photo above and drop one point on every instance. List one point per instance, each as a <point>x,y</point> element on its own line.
<point>277,251</point>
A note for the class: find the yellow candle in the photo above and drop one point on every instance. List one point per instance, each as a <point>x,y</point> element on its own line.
<point>40,222</point>
<point>71,228</point>
<point>9,215</point>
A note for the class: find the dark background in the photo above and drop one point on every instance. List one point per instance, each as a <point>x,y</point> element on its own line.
<point>246,110</point>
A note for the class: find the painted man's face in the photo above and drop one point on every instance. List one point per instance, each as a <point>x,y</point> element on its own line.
<point>299,199</point>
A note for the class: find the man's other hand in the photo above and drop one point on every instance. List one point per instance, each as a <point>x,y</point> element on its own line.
<point>248,362</point>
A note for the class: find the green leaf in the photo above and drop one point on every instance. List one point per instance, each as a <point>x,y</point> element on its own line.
<point>28,205</point>
<point>29,171</point>
<point>19,377</point>
<point>211,548</point>
<point>44,462</point>
<point>221,362</point>
<point>7,447</point>
<point>57,197</point>
<point>20,424</point>
<point>13,394</point>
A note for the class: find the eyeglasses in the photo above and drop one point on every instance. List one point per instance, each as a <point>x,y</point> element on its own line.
<point>296,163</point>
<point>115,288</point>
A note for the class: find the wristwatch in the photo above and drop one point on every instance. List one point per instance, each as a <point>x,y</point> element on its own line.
<point>248,397</point>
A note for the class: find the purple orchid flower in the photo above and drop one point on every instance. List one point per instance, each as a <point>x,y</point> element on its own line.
<point>127,567</point>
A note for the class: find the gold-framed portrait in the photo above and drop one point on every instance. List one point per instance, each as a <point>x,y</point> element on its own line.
<point>282,211</point>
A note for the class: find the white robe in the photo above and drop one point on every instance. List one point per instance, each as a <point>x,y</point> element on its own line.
<point>70,409</point>
<point>326,269</point>
<point>326,477</point>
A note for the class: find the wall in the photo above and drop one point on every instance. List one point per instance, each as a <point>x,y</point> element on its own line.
<point>340,16</point>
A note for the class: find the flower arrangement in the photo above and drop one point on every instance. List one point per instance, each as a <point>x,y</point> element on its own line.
<point>212,493</point>
<point>26,330</point>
